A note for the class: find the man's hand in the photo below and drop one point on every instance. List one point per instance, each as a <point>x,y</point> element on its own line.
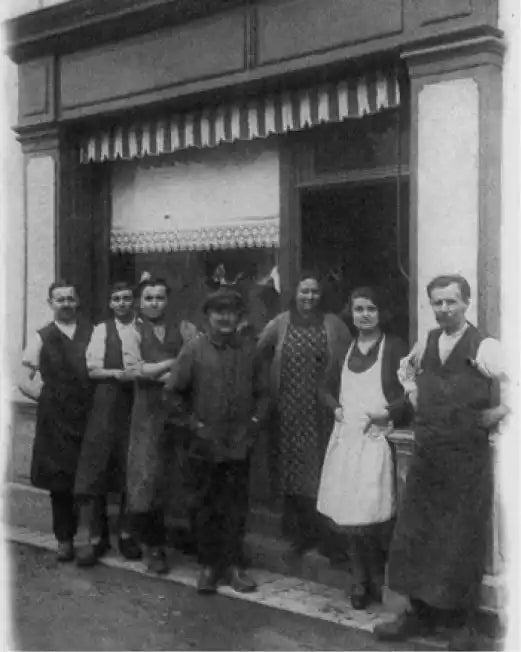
<point>377,418</point>
<point>339,414</point>
<point>126,375</point>
<point>493,416</point>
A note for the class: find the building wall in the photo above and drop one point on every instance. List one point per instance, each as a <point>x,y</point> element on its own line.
<point>18,7</point>
<point>13,212</point>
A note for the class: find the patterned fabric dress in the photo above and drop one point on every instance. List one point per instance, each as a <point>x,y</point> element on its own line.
<point>302,438</point>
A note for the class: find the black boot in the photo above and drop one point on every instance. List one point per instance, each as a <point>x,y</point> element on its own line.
<point>207,582</point>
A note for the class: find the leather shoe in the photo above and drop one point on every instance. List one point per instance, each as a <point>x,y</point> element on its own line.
<point>239,580</point>
<point>65,551</point>
<point>102,546</point>
<point>129,549</point>
<point>405,626</point>
<point>157,562</point>
<point>207,582</point>
<point>86,555</point>
<point>359,597</point>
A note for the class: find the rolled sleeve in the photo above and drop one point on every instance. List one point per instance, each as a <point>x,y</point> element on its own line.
<point>31,354</point>
<point>95,355</point>
<point>490,359</point>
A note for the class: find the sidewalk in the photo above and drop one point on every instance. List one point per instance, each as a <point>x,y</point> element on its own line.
<point>28,522</point>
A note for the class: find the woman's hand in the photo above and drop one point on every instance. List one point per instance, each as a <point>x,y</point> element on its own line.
<point>339,414</point>
<point>380,418</point>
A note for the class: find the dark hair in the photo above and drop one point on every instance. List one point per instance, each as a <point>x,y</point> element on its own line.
<point>61,283</point>
<point>151,282</point>
<point>305,275</point>
<point>120,286</point>
<point>445,280</point>
<point>373,294</point>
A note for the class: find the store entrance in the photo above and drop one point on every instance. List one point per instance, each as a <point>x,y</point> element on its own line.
<point>357,234</point>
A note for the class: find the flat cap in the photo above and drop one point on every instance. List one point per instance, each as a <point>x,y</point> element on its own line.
<point>224,298</point>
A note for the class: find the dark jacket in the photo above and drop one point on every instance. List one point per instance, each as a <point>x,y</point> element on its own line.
<point>399,408</point>
<point>228,386</point>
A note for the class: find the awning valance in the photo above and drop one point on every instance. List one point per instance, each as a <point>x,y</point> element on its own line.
<point>259,118</point>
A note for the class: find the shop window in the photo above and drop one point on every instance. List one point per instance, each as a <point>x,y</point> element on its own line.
<point>192,274</point>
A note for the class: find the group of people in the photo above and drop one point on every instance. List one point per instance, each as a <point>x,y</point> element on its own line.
<point>338,386</point>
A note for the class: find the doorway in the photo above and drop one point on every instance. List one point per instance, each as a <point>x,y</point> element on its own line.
<point>357,234</point>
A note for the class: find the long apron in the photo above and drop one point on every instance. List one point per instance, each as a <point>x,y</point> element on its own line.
<point>63,408</point>
<point>438,550</point>
<point>150,448</point>
<point>357,482</point>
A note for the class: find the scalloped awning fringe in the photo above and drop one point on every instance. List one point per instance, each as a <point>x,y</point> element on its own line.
<point>248,120</point>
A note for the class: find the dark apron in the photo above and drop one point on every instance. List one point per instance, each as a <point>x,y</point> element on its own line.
<point>149,451</point>
<point>63,408</point>
<point>438,550</point>
<point>103,459</point>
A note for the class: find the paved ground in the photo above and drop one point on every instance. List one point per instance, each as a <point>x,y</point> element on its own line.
<point>61,607</point>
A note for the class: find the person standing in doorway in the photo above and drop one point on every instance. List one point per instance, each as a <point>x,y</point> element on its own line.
<point>356,491</point>
<point>55,374</point>
<point>229,390</point>
<point>113,361</point>
<point>302,343</point>
<point>160,343</point>
<point>437,553</point>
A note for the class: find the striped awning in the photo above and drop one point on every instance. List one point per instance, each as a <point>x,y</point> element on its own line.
<point>259,118</point>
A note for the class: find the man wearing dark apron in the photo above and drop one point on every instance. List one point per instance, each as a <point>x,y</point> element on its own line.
<point>113,361</point>
<point>55,375</point>
<point>438,549</point>
<point>160,342</point>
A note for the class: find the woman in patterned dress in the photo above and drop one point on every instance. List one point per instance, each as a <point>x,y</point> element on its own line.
<point>302,343</point>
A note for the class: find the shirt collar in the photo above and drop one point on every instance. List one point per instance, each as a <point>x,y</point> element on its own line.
<point>456,334</point>
<point>220,342</point>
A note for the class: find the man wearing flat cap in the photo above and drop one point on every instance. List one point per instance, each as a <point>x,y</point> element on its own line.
<point>229,402</point>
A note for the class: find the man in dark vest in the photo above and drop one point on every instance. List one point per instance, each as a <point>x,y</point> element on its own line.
<point>160,342</point>
<point>438,549</point>
<point>113,362</point>
<point>229,402</point>
<point>55,374</point>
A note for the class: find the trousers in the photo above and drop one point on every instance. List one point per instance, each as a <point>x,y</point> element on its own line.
<point>221,509</point>
<point>149,527</point>
<point>64,515</point>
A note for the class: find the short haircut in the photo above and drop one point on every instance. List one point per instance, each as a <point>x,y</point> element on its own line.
<point>376,296</point>
<point>61,283</point>
<point>120,286</point>
<point>151,282</point>
<point>445,280</point>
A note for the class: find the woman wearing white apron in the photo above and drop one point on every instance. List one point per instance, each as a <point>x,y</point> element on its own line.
<point>357,491</point>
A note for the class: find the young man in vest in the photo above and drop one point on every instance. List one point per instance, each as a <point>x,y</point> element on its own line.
<point>229,401</point>
<point>55,374</point>
<point>160,342</point>
<point>438,549</point>
<point>113,361</point>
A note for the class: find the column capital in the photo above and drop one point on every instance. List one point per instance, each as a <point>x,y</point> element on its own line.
<point>484,49</point>
<point>40,139</point>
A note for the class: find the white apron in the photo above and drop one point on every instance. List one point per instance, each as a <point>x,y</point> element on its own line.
<point>357,482</point>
